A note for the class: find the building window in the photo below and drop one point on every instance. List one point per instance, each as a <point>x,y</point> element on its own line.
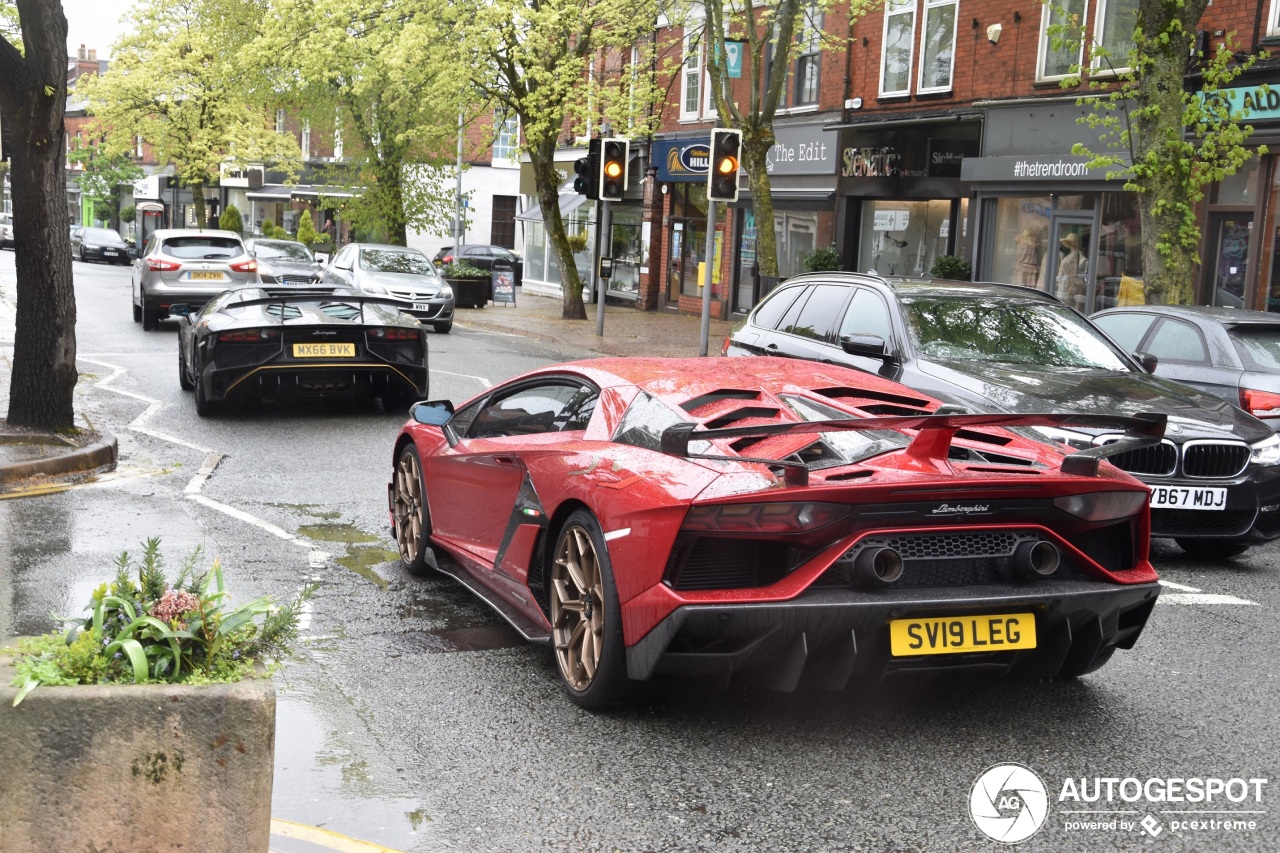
<point>1273,20</point>
<point>337,143</point>
<point>1060,27</point>
<point>808,57</point>
<point>1117,20</point>
<point>899,44</point>
<point>507,143</point>
<point>279,121</point>
<point>937,45</point>
<point>306,139</point>
<point>137,150</point>
<point>502,229</point>
<point>691,78</point>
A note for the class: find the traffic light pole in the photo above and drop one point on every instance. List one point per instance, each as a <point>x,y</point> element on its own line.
<point>706,278</point>
<point>604,231</point>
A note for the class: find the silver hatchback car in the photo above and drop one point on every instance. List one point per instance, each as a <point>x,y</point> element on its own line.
<point>189,267</point>
<point>399,272</point>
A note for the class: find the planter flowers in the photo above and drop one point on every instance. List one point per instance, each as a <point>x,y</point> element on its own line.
<point>142,629</point>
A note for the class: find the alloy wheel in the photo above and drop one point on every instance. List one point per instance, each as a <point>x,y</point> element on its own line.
<point>577,608</point>
<point>409,506</point>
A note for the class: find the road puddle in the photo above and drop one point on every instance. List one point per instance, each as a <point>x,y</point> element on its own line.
<point>365,551</point>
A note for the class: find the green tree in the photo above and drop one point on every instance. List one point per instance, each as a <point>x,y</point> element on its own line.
<point>531,58</point>
<point>104,173</point>
<point>1168,141</point>
<point>369,73</point>
<point>774,32</point>
<point>173,81</point>
<point>307,233</point>
<point>33,92</point>
<point>230,220</point>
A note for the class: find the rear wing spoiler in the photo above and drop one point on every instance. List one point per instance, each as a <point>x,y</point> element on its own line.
<point>933,441</point>
<point>314,296</point>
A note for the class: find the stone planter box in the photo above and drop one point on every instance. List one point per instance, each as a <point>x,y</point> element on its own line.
<point>136,767</point>
<point>469,292</point>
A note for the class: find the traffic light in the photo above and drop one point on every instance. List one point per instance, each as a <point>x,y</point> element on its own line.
<point>722,176</point>
<point>613,168</point>
<point>588,170</point>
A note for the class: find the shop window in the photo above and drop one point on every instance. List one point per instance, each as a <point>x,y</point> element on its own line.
<point>1117,21</point>
<point>1060,44</point>
<point>899,46</point>
<point>691,77</point>
<point>628,250</point>
<point>1240,188</point>
<point>903,237</point>
<point>937,45</point>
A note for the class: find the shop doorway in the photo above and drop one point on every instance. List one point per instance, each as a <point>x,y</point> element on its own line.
<point>1229,235</point>
<point>1066,270</point>
<point>688,244</point>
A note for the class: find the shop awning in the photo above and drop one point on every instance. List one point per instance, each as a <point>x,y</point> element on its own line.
<point>569,202</point>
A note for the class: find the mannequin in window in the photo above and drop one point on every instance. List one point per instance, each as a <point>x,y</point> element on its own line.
<point>1071,272</point>
<point>1026,269</point>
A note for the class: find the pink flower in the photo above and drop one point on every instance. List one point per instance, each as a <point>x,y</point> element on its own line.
<point>174,604</point>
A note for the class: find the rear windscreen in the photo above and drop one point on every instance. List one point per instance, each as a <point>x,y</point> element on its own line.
<point>203,248</point>
<point>1259,346</point>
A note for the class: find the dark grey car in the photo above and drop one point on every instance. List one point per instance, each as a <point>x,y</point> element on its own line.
<point>1003,348</point>
<point>1228,352</point>
<point>284,262</point>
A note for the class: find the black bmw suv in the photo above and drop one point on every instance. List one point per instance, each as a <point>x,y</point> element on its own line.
<point>1215,479</point>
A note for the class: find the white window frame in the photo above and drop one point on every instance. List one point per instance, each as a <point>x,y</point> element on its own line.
<point>306,139</point>
<point>908,7</point>
<point>506,141</point>
<point>1096,68</point>
<point>692,70</point>
<point>812,21</point>
<point>138,147</point>
<point>933,6</point>
<point>1273,19</point>
<point>337,142</point>
<point>1042,56</point>
<point>280,121</point>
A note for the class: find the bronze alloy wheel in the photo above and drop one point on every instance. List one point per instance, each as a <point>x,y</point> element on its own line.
<point>410,509</point>
<point>577,607</point>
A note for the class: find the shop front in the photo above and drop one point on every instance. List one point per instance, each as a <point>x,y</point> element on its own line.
<point>682,179</point>
<point>902,197</point>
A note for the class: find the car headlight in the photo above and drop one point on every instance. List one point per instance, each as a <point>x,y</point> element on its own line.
<point>446,292</point>
<point>374,288</point>
<point>1072,439</point>
<point>1267,451</point>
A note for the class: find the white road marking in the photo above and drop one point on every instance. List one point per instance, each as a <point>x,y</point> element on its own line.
<point>485,382</point>
<point>206,471</point>
<point>1204,598</point>
<point>245,517</point>
<point>1178,586</point>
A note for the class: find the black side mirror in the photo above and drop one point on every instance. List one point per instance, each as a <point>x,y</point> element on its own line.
<point>1148,361</point>
<point>872,346</point>
<point>181,309</point>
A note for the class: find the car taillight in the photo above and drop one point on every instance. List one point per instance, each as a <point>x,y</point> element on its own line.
<point>161,265</point>
<point>763,518</point>
<point>392,334</point>
<point>447,259</point>
<point>1102,506</point>
<point>250,265</point>
<point>1260,404</point>
<point>249,336</point>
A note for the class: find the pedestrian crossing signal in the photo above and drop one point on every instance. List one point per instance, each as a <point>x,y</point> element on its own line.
<point>613,168</point>
<point>722,177</point>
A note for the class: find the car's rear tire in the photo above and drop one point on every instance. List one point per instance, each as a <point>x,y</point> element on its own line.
<point>412,517</point>
<point>443,328</point>
<point>137,313</point>
<point>150,316</point>
<point>185,383</point>
<point>1210,549</point>
<point>586,621</point>
<point>204,406</point>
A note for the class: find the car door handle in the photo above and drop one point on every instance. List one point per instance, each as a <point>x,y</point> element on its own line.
<point>772,347</point>
<point>505,460</point>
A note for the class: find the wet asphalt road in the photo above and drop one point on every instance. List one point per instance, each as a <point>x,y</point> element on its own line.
<point>412,717</point>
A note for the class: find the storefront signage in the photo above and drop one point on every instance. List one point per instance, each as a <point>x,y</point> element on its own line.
<point>682,159</point>
<point>891,220</point>
<point>802,150</point>
<point>946,155</point>
<point>1260,102</point>
<point>870,163</point>
<point>1033,169</point>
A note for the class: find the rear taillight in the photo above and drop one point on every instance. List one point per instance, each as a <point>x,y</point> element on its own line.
<point>447,259</point>
<point>250,265</point>
<point>393,334</point>
<point>249,336</point>
<point>161,265</point>
<point>763,518</point>
<point>1260,404</point>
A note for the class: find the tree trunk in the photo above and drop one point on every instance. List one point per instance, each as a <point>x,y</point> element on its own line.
<point>755,149</point>
<point>33,93</point>
<point>547,182</point>
<point>197,199</point>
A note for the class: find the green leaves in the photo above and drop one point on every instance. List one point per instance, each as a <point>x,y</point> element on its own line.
<point>201,636</point>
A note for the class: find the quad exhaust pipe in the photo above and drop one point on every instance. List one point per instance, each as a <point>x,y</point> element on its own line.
<point>1037,559</point>
<point>878,566</point>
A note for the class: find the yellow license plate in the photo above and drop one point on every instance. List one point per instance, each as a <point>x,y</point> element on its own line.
<point>324,350</point>
<point>206,276</point>
<point>954,634</point>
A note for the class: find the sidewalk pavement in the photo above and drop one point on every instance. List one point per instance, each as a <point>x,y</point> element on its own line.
<point>25,454</point>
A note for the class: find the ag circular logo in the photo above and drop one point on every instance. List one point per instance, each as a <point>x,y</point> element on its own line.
<point>1008,803</point>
